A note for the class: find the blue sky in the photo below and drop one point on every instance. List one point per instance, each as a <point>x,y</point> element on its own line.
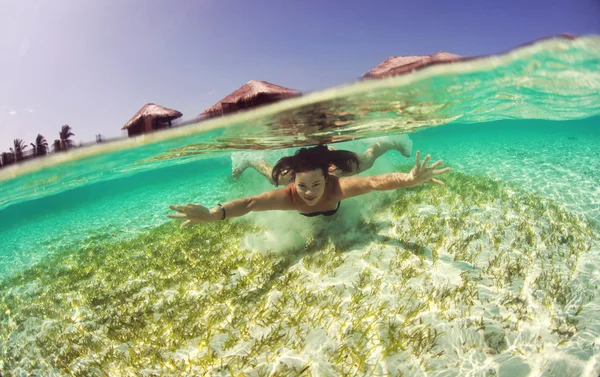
<point>94,64</point>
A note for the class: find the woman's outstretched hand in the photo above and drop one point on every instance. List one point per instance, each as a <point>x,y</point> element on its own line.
<point>192,213</point>
<point>421,173</point>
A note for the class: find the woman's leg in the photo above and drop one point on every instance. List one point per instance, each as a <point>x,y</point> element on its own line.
<point>402,144</point>
<point>261,166</point>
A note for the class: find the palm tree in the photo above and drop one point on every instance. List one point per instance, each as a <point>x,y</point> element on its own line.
<point>65,134</point>
<point>18,150</point>
<point>57,145</point>
<point>7,158</point>
<point>40,147</point>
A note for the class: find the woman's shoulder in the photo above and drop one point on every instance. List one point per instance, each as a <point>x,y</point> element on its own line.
<point>333,186</point>
<point>289,191</point>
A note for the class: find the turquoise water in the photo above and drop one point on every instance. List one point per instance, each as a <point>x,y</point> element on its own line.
<point>559,160</point>
<point>494,274</point>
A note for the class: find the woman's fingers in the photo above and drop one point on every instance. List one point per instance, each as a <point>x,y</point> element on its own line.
<point>436,181</point>
<point>178,208</point>
<point>186,212</point>
<point>442,171</point>
<point>186,208</point>
<point>177,216</point>
<point>418,160</point>
<point>436,164</point>
<point>425,161</point>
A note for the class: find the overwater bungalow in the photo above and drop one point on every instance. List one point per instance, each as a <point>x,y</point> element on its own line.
<point>252,94</point>
<point>150,118</point>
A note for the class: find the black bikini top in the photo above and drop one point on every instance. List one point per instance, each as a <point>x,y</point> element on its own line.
<point>331,212</point>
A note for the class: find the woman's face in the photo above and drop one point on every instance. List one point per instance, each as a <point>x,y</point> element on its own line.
<point>310,185</point>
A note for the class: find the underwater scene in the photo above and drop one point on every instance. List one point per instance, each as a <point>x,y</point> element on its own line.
<point>494,273</point>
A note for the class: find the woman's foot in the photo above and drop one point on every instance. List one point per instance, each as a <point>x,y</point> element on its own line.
<point>237,172</point>
<point>238,166</point>
<point>403,144</point>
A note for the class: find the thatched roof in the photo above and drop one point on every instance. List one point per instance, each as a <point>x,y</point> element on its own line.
<point>154,111</point>
<point>250,92</point>
<point>396,65</point>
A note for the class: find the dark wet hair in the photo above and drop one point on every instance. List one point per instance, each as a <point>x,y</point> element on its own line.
<point>319,157</point>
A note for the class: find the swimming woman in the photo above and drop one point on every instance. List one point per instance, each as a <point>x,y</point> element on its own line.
<point>313,190</point>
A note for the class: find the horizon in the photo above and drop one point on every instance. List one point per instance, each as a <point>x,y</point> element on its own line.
<point>92,66</point>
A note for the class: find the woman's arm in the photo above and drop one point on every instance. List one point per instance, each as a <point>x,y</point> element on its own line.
<point>270,200</point>
<point>420,173</point>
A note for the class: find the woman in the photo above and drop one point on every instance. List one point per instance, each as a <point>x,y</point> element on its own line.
<point>314,191</point>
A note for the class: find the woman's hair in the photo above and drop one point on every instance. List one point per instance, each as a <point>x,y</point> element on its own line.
<point>319,157</point>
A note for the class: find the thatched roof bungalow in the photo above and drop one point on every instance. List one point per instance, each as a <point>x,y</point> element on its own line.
<point>150,118</point>
<point>397,65</point>
<point>252,94</point>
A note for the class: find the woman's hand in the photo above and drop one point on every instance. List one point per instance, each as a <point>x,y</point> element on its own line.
<point>193,213</point>
<point>421,173</point>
